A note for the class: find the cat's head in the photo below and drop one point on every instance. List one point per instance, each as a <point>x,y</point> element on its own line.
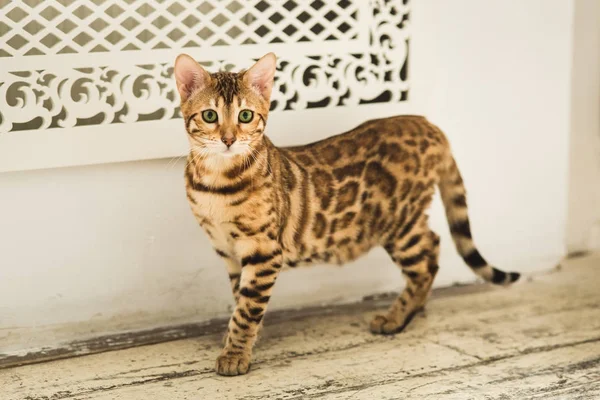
<point>225,113</point>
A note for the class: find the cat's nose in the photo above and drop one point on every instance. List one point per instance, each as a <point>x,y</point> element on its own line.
<point>228,140</point>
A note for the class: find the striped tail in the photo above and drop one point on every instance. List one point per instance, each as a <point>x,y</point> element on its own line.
<point>453,194</point>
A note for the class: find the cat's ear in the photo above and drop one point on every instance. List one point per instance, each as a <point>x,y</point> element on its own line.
<point>260,76</point>
<point>190,76</point>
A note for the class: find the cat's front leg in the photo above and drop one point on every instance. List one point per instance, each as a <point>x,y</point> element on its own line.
<point>261,260</point>
<point>234,270</point>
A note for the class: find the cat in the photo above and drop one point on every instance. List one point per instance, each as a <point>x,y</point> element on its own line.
<point>266,207</point>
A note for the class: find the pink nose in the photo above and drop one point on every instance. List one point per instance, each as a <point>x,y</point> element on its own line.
<point>228,140</point>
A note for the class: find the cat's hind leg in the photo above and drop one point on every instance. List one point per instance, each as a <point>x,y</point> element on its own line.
<point>416,253</point>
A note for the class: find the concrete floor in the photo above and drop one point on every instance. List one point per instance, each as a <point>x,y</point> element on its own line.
<point>538,339</point>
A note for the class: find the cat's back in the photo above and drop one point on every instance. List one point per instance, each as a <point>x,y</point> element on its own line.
<point>395,139</point>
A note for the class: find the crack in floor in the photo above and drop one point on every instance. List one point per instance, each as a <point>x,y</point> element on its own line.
<point>455,348</point>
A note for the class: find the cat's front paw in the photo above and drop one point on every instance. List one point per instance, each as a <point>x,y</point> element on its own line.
<point>231,364</point>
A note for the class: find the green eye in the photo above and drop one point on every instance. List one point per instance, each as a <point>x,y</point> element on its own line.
<point>246,116</point>
<point>209,116</point>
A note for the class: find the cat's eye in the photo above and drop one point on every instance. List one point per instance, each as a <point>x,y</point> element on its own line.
<point>209,116</point>
<point>246,116</point>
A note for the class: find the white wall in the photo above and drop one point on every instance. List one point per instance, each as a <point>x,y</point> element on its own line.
<point>111,247</point>
<point>583,230</point>
<point>496,76</point>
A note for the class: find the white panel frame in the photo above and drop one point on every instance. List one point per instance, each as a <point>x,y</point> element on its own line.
<point>340,70</point>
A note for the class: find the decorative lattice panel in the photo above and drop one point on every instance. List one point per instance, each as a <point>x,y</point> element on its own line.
<point>39,27</point>
<point>70,64</point>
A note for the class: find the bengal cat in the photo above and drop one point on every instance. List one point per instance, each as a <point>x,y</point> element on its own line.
<point>266,207</point>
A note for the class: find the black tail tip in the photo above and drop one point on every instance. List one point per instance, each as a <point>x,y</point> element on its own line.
<point>514,276</point>
<point>503,278</point>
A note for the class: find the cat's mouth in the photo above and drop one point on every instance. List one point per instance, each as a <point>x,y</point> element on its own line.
<point>220,150</point>
<point>232,151</point>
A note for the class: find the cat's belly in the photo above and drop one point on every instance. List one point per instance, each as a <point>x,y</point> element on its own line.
<point>338,255</point>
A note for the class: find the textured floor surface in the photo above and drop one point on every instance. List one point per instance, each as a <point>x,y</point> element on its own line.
<point>539,339</point>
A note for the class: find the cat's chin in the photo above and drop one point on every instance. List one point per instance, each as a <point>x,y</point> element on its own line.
<point>229,153</point>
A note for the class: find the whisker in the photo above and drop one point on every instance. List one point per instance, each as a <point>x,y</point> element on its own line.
<point>174,160</point>
<point>265,161</point>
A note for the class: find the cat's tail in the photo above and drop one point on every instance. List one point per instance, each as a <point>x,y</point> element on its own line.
<point>453,194</point>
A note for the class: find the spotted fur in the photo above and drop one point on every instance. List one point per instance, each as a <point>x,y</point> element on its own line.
<point>266,208</point>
